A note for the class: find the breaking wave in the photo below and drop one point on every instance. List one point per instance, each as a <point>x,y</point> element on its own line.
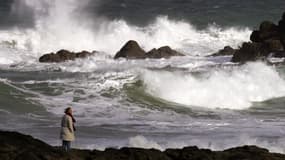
<point>65,25</point>
<point>234,88</point>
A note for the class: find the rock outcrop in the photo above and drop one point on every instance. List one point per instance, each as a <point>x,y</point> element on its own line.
<point>64,55</point>
<point>163,52</point>
<point>16,146</point>
<point>132,50</point>
<point>269,40</point>
<point>227,51</point>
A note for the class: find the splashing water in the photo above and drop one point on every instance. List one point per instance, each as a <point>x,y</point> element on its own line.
<point>234,89</point>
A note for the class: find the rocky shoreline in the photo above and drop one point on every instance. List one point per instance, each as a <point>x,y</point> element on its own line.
<point>267,41</point>
<point>16,146</point>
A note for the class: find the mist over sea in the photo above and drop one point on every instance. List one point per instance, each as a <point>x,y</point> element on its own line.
<point>154,103</point>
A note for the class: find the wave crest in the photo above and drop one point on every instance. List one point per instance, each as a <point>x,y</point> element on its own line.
<point>232,89</point>
<point>64,25</point>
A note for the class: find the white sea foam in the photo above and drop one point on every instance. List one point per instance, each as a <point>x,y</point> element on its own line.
<point>233,89</point>
<point>58,26</point>
<point>217,145</point>
<point>142,142</point>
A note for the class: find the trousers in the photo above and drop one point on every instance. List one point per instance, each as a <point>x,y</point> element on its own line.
<point>66,145</point>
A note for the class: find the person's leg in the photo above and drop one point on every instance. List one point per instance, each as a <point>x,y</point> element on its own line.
<point>68,145</point>
<point>64,145</point>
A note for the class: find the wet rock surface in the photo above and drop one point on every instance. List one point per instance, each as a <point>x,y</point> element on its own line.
<point>268,41</point>
<point>132,50</point>
<point>16,146</point>
<point>64,55</point>
<point>226,51</point>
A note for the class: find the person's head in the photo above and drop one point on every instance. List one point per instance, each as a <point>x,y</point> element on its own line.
<point>68,110</point>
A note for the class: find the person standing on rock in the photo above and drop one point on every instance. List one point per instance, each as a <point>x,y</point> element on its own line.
<point>67,129</point>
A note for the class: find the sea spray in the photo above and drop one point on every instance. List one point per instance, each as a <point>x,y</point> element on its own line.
<point>34,95</point>
<point>236,88</point>
<point>65,25</point>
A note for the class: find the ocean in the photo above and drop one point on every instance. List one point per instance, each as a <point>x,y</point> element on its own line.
<point>196,100</point>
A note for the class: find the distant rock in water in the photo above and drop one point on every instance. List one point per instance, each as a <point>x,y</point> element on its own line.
<point>64,55</point>
<point>248,52</point>
<point>228,50</point>
<point>132,50</point>
<point>269,40</point>
<point>163,52</point>
<point>16,146</point>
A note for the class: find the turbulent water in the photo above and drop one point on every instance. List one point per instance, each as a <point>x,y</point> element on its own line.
<point>192,100</point>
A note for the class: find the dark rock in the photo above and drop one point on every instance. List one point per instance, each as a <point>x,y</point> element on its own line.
<point>273,45</point>
<point>163,52</point>
<point>193,153</point>
<point>267,26</point>
<point>63,55</point>
<point>15,146</point>
<point>255,36</point>
<point>84,54</point>
<point>133,154</point>
<point>225,52</point>
<point>131,50</point>
<point>51,57</point>
<point>249,153</point>
<point>281,24</point>
<point>248,52</point>
<point>269,40</point>
<point>268,30</point>
<point>253,51</point>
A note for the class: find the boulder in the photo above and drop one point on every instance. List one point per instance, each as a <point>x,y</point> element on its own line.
<point>163,52</point>
<point>267,30</point>
<point>51,57</point>
<point>267,26</point>
<point>281,24</point>
<point>63,55</point>
<point>131,50</point>
<point>225,52</point>
<point>255,36</point>
<point>84,54</point>
<point>273,45</point>
<point>269,40</point>
<point>251,51</point>
<point>248,52</point>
